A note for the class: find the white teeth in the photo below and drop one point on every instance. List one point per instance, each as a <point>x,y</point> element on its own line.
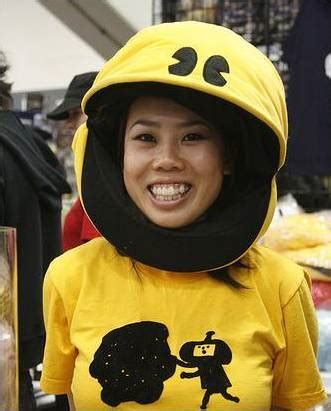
<point>168,198</point>
<point>168,192</point>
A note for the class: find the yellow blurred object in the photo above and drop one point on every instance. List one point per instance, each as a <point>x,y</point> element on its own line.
<point>297,232</point>
<point>319,256</point>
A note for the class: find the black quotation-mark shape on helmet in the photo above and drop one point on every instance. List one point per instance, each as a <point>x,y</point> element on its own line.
<point>213,68</point>
<point>187,60</point>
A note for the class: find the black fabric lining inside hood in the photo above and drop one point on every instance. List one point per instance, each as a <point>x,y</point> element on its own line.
<point>215,241</point>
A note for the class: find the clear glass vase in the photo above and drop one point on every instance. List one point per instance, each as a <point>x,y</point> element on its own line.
<point>8,320</point>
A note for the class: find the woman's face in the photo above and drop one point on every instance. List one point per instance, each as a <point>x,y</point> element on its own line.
<point>173,161</point>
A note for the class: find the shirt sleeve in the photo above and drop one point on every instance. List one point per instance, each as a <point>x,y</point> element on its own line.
<point>60,354</point>
<point>297,381</point>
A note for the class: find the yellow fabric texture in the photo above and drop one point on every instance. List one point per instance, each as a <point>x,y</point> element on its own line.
<point>92,290</point>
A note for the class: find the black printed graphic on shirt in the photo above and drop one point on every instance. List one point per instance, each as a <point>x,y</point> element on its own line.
<point>132,363</point>
<point>208,356</point>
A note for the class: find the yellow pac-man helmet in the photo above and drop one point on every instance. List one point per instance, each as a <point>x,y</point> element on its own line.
<point>218,74</point>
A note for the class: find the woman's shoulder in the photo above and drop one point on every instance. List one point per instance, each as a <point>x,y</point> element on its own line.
<point>262,256</point>
<point>80,261</point>
<point>96,248</point>
<point>275,274</point>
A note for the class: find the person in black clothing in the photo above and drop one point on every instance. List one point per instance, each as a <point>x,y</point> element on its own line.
<point>69,116</point>
<point>31,186</point>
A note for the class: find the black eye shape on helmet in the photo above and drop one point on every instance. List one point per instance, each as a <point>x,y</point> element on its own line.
<point>213,67</point>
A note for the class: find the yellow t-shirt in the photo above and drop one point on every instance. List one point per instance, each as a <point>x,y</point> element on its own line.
<point>138,338</point>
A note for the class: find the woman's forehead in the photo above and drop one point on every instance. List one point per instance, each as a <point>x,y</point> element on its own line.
<point>148,110</point>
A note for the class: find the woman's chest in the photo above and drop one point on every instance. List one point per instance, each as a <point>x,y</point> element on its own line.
<point>171,349</point>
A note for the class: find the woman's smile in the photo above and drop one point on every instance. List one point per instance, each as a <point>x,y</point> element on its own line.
<point>169,192</point>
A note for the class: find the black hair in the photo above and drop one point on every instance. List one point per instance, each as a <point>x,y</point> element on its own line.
<point>245,138</point>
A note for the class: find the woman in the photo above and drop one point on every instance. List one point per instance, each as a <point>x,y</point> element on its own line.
<point>176,307</point>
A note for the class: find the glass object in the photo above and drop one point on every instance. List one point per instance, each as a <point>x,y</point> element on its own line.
<point>8,320</point>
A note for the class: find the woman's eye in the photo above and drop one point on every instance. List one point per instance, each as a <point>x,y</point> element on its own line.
<point>194,137</point>
<point>145,137</point>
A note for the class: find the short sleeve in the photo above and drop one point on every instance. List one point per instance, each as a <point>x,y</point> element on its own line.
<point>297,381</point>
<point>60,354</point>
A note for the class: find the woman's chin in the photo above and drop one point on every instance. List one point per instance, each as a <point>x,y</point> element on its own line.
<point>171,219</point>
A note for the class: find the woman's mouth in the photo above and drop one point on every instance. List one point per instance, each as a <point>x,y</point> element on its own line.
<point>169,192</point>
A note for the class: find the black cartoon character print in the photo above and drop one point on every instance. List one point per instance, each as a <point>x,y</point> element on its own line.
<point>132,363</point>
<point>208,356</point>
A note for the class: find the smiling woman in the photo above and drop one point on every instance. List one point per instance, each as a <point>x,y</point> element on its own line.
<point>176,168</point>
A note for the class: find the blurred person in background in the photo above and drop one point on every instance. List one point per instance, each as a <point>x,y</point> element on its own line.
<point>69,117</point>
<point>77,228</point>
<point>31,188</point>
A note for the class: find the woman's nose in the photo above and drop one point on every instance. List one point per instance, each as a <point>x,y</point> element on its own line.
<point>168,157</point>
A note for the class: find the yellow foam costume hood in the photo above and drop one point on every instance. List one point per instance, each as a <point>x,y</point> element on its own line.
<point>210,60</point>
